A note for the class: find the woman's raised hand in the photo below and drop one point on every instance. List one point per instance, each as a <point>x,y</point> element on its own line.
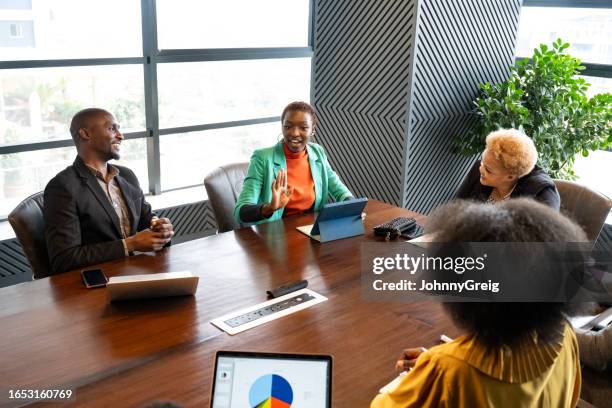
<point>281,193</point>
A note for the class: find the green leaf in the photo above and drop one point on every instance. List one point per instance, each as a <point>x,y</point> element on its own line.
<point>546,98</point>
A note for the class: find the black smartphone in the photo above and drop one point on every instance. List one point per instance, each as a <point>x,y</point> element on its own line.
<point>94,278</point>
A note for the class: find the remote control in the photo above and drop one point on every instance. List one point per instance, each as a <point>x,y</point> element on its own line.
<point>287,288</point>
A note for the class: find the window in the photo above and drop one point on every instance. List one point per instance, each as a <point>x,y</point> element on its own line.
<point>38,103</point>
<point>16,30</point>
<point>223,69</point>
<point>82,29</point>
<point>232,23</point>
<point>594,170</point>
<point>186,158</point>
<point>227,70</point>
<point>23,174</point>
<point>589,32</point>
<point>598,85</point>
<point>16,4</point>
<point>224,91</point>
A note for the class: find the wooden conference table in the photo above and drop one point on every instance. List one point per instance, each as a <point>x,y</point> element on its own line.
<point>57,334</point>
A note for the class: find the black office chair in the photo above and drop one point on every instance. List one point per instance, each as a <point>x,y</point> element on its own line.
<point>29,226</point>
<point>223,186</point>
<point>587,207</point>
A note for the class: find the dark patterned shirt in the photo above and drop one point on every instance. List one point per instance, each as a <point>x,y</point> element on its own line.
<point>115,197</point>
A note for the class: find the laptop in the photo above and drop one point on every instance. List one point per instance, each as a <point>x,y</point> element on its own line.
<point>270,380</point>
<point>153,285</point>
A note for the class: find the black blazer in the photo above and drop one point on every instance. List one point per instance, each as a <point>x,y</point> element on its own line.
<point>81,226</point>
<point>537,185</point>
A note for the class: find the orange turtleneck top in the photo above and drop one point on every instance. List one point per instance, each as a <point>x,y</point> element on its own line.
<point>300,178</point>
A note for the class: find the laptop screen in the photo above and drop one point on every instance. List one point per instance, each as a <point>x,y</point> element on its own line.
<point>261,380</point>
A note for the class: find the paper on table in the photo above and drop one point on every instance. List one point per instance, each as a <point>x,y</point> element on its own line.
<point>422,241</point>
<point>393,384</point>
<point>305,229</point>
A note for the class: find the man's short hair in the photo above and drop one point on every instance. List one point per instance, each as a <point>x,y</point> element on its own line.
<point>81,119</point>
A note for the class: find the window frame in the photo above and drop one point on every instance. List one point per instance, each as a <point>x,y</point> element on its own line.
<point>591,69</point>
<point>151,57</point>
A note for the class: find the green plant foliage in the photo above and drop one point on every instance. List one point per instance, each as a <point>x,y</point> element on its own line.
<point>545,98</point>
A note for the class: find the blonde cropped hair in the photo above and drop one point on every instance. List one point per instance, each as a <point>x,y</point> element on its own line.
<point>513,149</point>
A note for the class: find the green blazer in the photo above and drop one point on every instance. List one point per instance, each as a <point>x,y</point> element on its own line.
<point>265,165</point>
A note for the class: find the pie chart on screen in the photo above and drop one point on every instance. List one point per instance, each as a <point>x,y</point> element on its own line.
<point>270,391</point>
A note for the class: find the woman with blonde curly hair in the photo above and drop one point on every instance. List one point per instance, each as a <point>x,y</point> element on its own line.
<point>508,170</point>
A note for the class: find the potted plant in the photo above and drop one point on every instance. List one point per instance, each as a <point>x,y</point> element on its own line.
<point>545,98</point>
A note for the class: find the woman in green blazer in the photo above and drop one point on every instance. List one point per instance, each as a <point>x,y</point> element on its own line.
<point>290,177</point>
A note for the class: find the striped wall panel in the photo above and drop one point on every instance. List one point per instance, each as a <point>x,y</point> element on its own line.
<point>360,89</point>
<point>393,82</point>
<point>191,221</point>
<point>14,267</point>
<point>459,44</point>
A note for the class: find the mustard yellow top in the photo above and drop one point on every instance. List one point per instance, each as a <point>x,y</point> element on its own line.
<point>464,373</point>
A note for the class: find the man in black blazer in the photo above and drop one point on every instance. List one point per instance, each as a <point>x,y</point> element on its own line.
<point>94,211</point>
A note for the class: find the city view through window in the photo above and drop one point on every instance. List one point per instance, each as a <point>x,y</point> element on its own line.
<point>36,104</point>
